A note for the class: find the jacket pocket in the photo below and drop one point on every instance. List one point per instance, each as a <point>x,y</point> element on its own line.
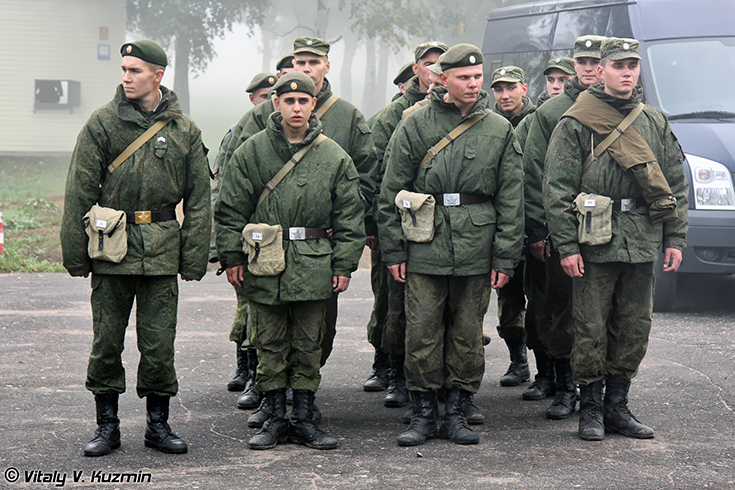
<point>481,215</point>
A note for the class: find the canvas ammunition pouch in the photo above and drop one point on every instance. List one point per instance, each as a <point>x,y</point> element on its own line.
<point>263,245</point>
<point>417,215</point>
<point>594,214</point>
<point>108,235</point>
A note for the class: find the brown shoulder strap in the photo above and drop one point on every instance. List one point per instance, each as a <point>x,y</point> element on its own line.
<point>453,135</point>
<point>290,164</point>
<point>329,103</point>
<point>140,141</point>
<point>620,129</point>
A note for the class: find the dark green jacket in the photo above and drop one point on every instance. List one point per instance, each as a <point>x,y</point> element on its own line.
<point>528,108</point>
<point>486,160</point>
<point>170,167</point>
<point>543,97</point>
<point>390,117</point>
<point>541,126</point>
<point>322,191</point>
<point>635,238</point>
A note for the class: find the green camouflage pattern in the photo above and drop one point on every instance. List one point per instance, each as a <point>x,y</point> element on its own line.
<point>528,108</point>
<point>239,332</point>
<point>379,284</point>
<point>394,329</point>
<point>522,130</point>
<point>215,182</point>
<point>560,335</point>
<point>512,306</point>
<point>171,167</point>
<point>543,97</point>
<point>538,305</point>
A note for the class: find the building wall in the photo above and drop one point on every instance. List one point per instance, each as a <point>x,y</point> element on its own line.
<point>54,39</point>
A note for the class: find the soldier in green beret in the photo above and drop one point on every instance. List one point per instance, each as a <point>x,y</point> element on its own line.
<point>169,167</point>
<point>260,86</point>
<point>612,280</point>
<point>475,182</point>
<point>285,65</point>
<point>288,305</point>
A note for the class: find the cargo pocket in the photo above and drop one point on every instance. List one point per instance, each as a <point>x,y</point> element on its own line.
<point>314,270</point>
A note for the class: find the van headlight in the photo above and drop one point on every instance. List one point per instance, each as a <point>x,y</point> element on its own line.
<point>712,184</point>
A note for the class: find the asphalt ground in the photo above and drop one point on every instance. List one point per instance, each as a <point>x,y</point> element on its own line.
<point>685,390</point>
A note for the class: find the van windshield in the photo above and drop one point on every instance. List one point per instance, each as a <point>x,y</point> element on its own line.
<point>693,76</point>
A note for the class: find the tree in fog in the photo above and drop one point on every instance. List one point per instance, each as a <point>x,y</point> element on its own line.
<point>190,27</point>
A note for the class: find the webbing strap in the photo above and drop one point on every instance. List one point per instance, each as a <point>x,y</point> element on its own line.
<point>140,141</point>
<point>329,103</point>
<point>453,135</point>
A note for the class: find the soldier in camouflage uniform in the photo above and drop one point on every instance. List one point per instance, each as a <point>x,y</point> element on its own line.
<point>478,234</point>
<point>613,281</point>
<point>170,167</point>
<point>555,332</point>
<point>405,74</point>
<point>288,309</point>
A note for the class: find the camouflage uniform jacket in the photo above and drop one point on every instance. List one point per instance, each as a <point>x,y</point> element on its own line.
<point>543,97</point>
<point>170,167</point>
<point>390,117</point>
<point>541,126</point>
<point>485,160</point>
<point>528,108</point>
<point>635,238</point>
<point>322,191</point>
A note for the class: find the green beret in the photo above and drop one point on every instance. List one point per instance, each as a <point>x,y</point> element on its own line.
<point>146,50</point>
<point>285,62</point>
<point>564,64</point>
<point>588,47</point>
<point>404,74</point>
<point>436,68</point>
<point>312,45</point>
<point>261,80</point>
<point>510,74</point>
<point>615,49</point>
<point>295,81</point>
<point>461,55</point>
<point>424,48</point>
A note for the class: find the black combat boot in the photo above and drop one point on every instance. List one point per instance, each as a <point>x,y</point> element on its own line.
<point>543,384</point>
<point>303,430</point>
<point>378,380</point>
<point>454,425</point>
<point>473,414</point>
<point>591,418</point>
<point>275,428</point>
<point>158,433</point>
<point>259,416</point>
<point>423,423</point>
<point>566,393</point>
<point>241,373</point>
<point>617,416</point>
<point>107,435</point>
<point>251,395</point>
<point>518,371</point>
<point>397,395</point>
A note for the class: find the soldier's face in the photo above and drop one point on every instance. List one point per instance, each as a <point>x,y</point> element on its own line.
<point>555,80</point>
<point>259,96</point>
<point>586,69</point>
<point>620,76</point>
<point>139,81</point>
<point>509,96</point>
<point>421,69</point>
<point>434,81</point>
<point>316,67</point>
<point>296,108</point>
<point>463,83</point>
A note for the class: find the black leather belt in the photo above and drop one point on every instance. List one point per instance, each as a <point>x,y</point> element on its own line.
<point>626,205</point>
<point>145,217</point>
<point>456,199</point>
<point>299,233</point>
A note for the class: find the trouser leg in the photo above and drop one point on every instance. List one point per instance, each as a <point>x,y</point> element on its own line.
<point>379,284</point>
<point>330,330</point>
<point>561,326</point>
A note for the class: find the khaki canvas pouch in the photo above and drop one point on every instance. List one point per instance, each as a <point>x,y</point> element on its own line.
<point>108,234</point>
<point>594,214</point>
<point>263,244</point>
<point>417,215</point>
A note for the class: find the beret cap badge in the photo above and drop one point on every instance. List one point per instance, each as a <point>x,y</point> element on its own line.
<point>294,86</point>
<point>472,59</point>
<point>129,49</point>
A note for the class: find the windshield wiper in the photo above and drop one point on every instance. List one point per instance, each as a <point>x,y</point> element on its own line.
<point>704,115</point>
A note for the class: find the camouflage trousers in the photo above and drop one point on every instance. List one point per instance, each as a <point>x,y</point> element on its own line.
<point>512,306</point>
<point>538,309</point>
<point>444,331</point>
<point>613,304</point>
<point>561,326</point>
<point>387,325</point>
<point>288,340</point>
<point>156,299</point>
<point>240,331</point>
<point>330,328</point>
<point>379,284</point>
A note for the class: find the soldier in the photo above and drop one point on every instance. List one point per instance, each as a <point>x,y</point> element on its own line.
<point>386,328</point>
<point>555,332</point>
<point>477,185</point>
<point>288,304</point>
<point>139,195</point>
<point>401,81</point>
<point>642,172</point>
<point>285,65</point>
<point>260,86</point>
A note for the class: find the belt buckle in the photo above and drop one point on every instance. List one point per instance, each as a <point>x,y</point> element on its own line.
<point>451,199</point>
<point>627,205</point>
<point>297,233</point>
<point>142,217</point>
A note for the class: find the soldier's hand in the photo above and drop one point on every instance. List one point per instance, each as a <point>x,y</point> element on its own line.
<point>235,275</point>
<point>372,242</point>
<point>540,250</point>
<point>186,278</point>
<point>398,272</point>
<point>573,265</point>
<point>330,235</point>
<point>340,284</point>
<point>672,259</point>
<point>498,279</point>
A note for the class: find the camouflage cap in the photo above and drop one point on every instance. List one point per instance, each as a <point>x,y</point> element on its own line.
<point>615,49</point>
<point>510,74</point>
<point>285,62</point>
<point>404,74</point>
<point>563,63</point>
<point>436,68</point>
<point>261,80</point>
<point>312,45</point>
<point>146,50</point>
<point>295,81</point>
<point>587,47</point>
<point>461,55</point>
<point>424,48</point>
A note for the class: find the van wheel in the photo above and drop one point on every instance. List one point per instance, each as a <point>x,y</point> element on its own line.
<point>664,291</point>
